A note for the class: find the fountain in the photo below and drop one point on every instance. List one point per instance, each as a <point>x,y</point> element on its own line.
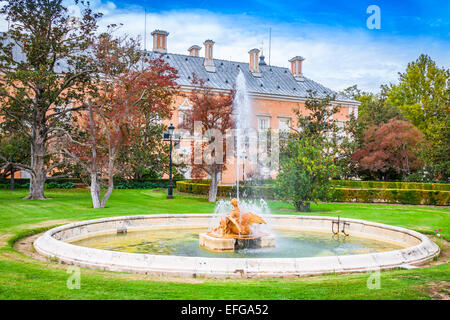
<point>168,244</point>
<point>235,230</point>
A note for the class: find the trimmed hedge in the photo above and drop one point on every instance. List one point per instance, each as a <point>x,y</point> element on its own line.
<point>202,188</point>
<point>403,196</point>
<point>142,185</point>
<point>367,195</point>
<point>64,185</point>
<point>16,186</point>
<point>72,183</point>
<point>190,186</point>
<point>356,184</point>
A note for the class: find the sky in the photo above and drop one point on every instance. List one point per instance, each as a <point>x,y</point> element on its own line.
<point>333,36</point>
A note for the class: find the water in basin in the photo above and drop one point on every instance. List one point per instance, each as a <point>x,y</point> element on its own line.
<point>184,242</point>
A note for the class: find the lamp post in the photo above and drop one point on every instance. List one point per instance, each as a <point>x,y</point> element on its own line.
<point>168,136</point>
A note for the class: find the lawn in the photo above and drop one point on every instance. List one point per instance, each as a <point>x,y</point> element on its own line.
<point>22,277</point>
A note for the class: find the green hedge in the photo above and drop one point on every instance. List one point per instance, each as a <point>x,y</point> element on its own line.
<point>142,185</point>
<point>402,196</point>
<point>71,183</point>
<point>354,184</point>
<point>16,186</point>
<point>265,192</point>
<point>64,185</point>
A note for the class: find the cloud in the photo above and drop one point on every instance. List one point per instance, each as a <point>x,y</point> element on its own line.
<point>335,57</point>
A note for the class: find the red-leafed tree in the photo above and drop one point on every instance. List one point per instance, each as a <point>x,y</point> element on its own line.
<point>129,88</point>
<point>390,150</point>
<point>212,114</point>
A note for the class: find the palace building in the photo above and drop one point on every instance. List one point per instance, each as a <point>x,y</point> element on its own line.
<point>274,91</point>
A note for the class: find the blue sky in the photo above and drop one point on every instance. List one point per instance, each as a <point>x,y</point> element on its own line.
<point>405,18</point>
<point>340,50</point>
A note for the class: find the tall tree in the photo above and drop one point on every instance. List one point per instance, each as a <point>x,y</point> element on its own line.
<point>129,88</point>
<point>374,108</point>
<point>391,150</point>
<point>318,122</point>
<point>423,96</point>
<point>305,171</point>
<point>146,156</point>
<point>306,158</point>
<point>372,111</point>
<point>44,62</point>
<point>213,111</point>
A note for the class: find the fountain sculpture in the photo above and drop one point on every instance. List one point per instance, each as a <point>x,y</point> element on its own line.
<point>235,232</point>
<point>236,225</point>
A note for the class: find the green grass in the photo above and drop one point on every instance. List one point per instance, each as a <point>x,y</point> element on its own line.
<point>24,278</point>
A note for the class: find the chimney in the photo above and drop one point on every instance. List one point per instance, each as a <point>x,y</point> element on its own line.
<point>160,41</point>
<point>261,59</point>
<point>296,68</point>
<point>209,62</point>
<point>254,62</point>
<point>194,50</point>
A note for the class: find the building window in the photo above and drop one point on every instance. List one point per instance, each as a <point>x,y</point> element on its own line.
<point>354,111</point>
<point>284,125</point>
<point>183,111</point>
<point>182,117</point>
<point>263,123</point>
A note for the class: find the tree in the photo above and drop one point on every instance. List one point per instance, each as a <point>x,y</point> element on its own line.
<point>213,111</point>
<point>304,173</point>
<point>374,108</point>
<point>147,155</point>
<point>391,150</point>
<point>372,111</point>
<point>423,96</point>
<point>306,158</point>
<point>44,62</point>
<point>129,88</point>
<point>15,148</point>
<point>318,122</point>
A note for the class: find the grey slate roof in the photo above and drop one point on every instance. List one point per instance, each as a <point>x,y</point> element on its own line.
<point>274,80</point>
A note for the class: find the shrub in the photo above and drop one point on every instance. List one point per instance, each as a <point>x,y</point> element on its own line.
<point>64,185</point>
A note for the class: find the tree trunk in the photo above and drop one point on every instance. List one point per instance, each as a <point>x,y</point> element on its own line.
<point>213,187</point>
<point>38,177</point>
<point>109,191</point>
<point>302,206</point>
<point>11,183</point>
<point>95,191</point>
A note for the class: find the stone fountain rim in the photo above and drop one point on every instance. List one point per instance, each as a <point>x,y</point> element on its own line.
<point>49,246</point>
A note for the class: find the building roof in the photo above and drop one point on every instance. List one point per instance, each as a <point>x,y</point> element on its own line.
<point>273,81</point>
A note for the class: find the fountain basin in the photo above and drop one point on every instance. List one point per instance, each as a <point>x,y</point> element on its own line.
<point>416,248</point>
<point>231,244</point>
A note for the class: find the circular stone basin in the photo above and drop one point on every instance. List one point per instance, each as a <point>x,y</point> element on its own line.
<point>184,242</point>
<point>168,245</point>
